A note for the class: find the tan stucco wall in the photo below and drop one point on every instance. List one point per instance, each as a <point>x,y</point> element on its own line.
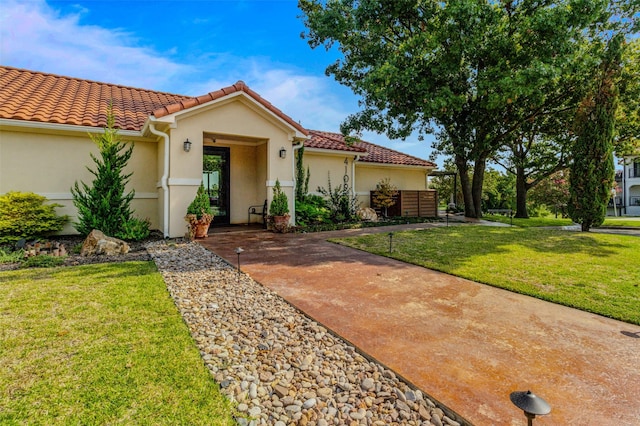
<point>366,176</point>
<point>254,139</point>
<point>323,166</point>
<point>50,163</point>
<point>404,178</point>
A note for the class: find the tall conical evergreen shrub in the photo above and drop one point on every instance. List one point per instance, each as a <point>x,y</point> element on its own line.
<point>592,169</point>
<point>104,205</point>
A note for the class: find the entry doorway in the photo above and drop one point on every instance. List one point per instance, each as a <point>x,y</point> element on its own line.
<point>215,177</point>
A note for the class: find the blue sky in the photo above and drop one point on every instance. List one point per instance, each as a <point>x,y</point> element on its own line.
<point>185,47</point>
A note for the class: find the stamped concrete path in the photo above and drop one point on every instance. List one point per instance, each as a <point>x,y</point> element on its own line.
<point>465,344</point>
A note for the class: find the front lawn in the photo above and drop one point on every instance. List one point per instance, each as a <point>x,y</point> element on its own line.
<point>530,222</point>
<point>100,344</point>
<point>633,222</point>
<point>594,272</point>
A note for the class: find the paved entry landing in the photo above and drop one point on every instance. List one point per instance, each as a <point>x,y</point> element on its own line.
<point>465,344</point>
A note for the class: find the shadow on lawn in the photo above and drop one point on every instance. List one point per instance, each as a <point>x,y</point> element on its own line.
<point>486,240</point>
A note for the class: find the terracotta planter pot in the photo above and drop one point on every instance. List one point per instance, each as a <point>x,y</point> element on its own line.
<point>280,223</point>
<point>198,228</point>
<point>202,229</point>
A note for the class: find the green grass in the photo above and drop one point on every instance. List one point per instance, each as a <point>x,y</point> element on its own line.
<point>627,222</point>
<point>594,272</point>
<point>530,222</point>
<point>99,344</point>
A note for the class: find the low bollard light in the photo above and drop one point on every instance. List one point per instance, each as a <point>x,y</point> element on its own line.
<point>531,404</point>
<point>238,251</point>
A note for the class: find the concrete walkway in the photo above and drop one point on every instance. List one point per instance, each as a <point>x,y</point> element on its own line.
<point>465,344</point>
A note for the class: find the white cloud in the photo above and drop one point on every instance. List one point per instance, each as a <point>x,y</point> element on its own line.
<point>37,37</point>
<point>312,100</point>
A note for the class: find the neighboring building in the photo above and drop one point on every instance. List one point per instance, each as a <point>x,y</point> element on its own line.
<point>45,120</point>
<point>631,186</point>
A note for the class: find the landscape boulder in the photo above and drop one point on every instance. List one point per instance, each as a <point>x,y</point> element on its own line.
<point>367,214</point>
<point>99,243</point>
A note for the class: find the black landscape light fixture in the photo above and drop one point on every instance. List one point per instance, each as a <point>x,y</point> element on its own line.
<point>186,145</point>
<point>238,251</point>
<point>283,152</point>
<point>390,241</point>
<point>531,404</point>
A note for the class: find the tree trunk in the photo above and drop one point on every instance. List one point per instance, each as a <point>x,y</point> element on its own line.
<point>476,189</point>
<point>521,193</point>
<point>465,185</point>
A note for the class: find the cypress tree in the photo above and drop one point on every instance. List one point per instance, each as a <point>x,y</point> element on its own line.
<point>592,169</point>
<point>104,205</point>
<point>302,181</point>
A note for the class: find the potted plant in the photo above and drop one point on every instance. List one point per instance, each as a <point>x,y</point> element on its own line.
<point>279,208</point>
<point>199,215</point>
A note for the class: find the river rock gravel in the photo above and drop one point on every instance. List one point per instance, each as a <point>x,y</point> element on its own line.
<point>277,365</point>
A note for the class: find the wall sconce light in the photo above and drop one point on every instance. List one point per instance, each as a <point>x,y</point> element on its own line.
<point>186,145</point>
<point>283,152</point>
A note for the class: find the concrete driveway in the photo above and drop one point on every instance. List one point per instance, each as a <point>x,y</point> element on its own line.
<point>465,344</point>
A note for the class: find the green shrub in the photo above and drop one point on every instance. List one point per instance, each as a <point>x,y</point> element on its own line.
<point>134,230</point>
<point>200,205</point>
<point>341,202</point>
<point>25,215</point>
<point>280,203</point>
<point>539,210</point>
<point>42,261</point>
<point>312,210</point>
<point>104,205</point>
<point>8,256</point>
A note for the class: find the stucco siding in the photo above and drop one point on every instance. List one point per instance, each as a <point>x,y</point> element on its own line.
<point>325,167</point>
<point>50,164</point>
<point>368,177</point>
<point>254,140</point>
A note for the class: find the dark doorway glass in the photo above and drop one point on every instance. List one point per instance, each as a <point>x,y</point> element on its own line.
<point>215,176</point>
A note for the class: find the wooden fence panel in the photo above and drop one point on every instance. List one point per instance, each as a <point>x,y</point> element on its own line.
<point>412,203</point>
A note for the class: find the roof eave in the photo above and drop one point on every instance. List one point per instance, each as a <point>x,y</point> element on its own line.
<point>396,166</point>
<point>27,124</point>
<point>295,131</point>
<point>335,152</point>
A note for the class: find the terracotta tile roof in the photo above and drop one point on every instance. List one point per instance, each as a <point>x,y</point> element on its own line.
<point>48,98</point>
<point>376,153</point>
<point>240,86</point>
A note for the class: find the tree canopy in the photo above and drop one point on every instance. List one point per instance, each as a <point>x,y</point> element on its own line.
<point>472,72</point>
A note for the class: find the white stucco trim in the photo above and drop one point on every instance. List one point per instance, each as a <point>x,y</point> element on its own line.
<point>235,96</point>
<point>61,196</point>
<point>184,182</point>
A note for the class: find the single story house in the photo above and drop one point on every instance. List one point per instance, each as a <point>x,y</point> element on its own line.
<point>45,120</point>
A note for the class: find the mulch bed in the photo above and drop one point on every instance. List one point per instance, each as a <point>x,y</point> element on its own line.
<point>137,252</point>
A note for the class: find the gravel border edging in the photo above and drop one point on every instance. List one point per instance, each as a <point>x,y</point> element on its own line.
<point>280,366</point>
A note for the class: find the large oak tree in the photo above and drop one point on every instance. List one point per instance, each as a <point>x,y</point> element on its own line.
<point>472,71</point>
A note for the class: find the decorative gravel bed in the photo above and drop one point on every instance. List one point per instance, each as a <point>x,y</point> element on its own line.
<point>281,367</point>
